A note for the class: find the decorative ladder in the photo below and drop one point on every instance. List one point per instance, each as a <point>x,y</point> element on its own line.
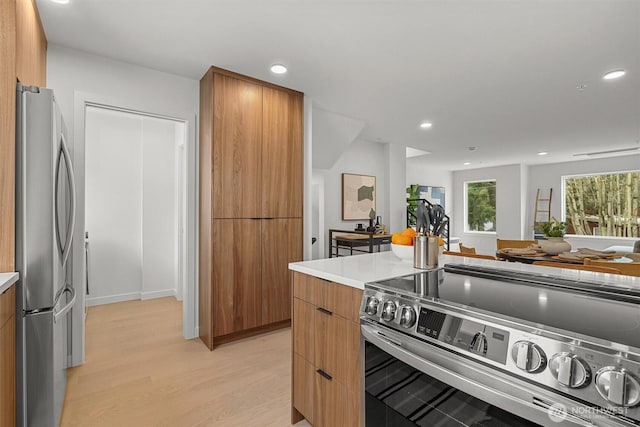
<point>542,212</point>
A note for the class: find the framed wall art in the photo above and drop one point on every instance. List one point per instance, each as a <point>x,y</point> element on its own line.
<point>358,197</point>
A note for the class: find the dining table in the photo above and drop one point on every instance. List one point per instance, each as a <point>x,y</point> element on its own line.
<point>530,259</point>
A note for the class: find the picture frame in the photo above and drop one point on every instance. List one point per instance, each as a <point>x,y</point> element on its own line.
<point>358,197</point>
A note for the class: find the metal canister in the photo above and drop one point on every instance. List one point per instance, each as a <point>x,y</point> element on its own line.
<point>433,250</point>
<point>420,244</point>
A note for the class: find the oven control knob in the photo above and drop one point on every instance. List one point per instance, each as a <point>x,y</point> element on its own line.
<point>618,386</point>
<point>407,316</point>
<point>389,311</point>
<point>372,306</point>
<point>528,356</point>
<point>570,370</point>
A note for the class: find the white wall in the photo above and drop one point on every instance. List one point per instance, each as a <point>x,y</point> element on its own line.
<point>113,205</point>
<point>160,225</point>
<point>508,206</point>
<point>78,77</point>
<point>361,157</point>
<point>396,187</point>
<point>420,170</point>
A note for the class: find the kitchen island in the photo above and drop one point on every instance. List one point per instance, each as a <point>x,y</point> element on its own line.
<point>327,371</point>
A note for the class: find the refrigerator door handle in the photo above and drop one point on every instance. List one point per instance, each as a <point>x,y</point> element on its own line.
<point>86,260</point>
<point>58,314</point>
<point>72,183</point>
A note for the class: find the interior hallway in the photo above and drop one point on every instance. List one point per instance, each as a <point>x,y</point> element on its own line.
<point>139,371</point>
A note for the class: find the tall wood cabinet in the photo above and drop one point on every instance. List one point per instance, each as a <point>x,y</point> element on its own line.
<point>250,204</point>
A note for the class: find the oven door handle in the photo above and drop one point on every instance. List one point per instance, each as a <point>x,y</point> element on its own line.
<point>388,340</point>
<point>558,412</point>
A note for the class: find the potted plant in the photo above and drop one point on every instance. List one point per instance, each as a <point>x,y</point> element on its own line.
<point>554,231</point>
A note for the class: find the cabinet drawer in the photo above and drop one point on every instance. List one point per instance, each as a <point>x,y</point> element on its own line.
<point>334,297</point>
<point>335,405</point>
<point>303,329</point>
<point>337,348</point>
<point>7,304</point>
<point>303,387</point>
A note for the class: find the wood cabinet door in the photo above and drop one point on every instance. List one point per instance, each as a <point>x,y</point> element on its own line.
<point>335,339</point>
<point>281,244</point>
<point>334,405</point>
<point>282,154</point>
<point>31,45</point>
<point>236,278</point>
<point>8,372</point>
<point>303,329</point>
<point>237,148</point>
<point>303,387</point>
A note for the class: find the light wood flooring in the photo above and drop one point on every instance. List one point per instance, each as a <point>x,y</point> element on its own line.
<point>139,371</point>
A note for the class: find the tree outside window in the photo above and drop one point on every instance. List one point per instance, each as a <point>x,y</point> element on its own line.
<point>480,205</point>
<point>603,204</point>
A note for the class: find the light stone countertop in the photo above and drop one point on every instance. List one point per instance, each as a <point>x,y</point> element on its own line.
<point>356,270</point>
<point>6,280</point>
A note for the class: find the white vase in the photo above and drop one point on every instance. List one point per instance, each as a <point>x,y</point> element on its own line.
<point>554,245</point>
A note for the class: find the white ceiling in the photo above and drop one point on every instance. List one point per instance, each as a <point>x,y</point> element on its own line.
<point>497,75</point>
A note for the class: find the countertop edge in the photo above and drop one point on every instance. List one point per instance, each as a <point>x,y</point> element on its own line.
<point>328,276</point>
<point>6,280</point>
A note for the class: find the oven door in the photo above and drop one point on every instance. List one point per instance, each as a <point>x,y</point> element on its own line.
<point>409,382</point>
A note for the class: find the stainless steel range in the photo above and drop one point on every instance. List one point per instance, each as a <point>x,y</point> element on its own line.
<point>468,345</point>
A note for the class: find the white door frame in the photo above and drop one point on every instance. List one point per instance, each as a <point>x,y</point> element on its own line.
<point>189,302</point>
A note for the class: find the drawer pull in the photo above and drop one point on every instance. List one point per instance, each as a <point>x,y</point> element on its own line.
<point>324,374</point>
<point>325,311</point>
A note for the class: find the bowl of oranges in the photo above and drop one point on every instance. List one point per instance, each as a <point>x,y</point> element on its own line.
<point>402,244</point>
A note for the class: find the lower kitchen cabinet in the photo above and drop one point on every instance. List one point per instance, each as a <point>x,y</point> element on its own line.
<point>8,358</point>
<point>335,406</point>
<point>327,370</point>
<point>249,290</point>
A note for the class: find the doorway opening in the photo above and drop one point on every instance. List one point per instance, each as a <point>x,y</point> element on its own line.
<point>134,205</point>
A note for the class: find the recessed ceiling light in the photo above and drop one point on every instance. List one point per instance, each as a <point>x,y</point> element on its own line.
<point>61,1</point>
<point>542,153</point>
<point>466,163</point>
<point>425,125</point>
<point>615,74</point>
<point>278,69</point>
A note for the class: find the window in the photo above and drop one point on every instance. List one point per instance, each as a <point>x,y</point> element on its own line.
<point>480,205</point>
<point>603,204</point>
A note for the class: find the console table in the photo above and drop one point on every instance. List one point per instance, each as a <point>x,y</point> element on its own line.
<point>355,241</point>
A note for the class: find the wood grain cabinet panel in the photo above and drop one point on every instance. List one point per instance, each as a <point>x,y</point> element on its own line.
<point>8,359</point>
<point>250,170</point>
<point>281,244</point>
<point>333,404</point>
<point>303,386</point>
<point>334,340</point>
<point>31,45</point>
<point>7,133</point>
<point>237,292</point>
<point>303,329</point>
<point>237,142</point>
<point>282,154</point>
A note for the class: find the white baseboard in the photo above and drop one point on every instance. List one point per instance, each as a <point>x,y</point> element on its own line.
<point>158,294</point>
<point>110,299</point>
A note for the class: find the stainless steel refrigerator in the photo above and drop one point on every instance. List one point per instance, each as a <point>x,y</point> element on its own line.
<point>45,217</point>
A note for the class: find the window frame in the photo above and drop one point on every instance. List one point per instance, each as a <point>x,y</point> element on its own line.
<point>563,201</point>
<point>465,213</point>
